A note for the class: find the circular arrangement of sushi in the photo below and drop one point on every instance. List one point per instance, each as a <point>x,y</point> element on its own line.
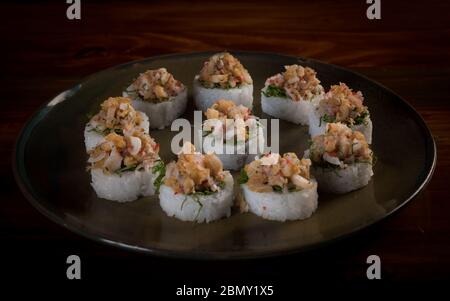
<point>100,159</point>
<point>198,187</point>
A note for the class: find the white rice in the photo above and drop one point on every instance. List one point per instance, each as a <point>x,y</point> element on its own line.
<point>365,128</point>
<point>237,160</point>
<point>284,206</point>
<point>163,113</point>
<point>318,128</point>
<point>285,108</point>
<point>125,187</point>
<point>204,98</point>
<point>343,180</point>
<point>187,207</point>
<point>92,138</point>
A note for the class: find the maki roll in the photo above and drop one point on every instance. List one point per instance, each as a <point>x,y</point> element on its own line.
<point>291,95</point>
<point>116,115</point>
<point>196,188</point>
<point>125,167</point>
<point>343,105</point>
<point>279,188</point>
<point>341,159</point>
<point>223,76</point>
<point>159,95</point>
<point>238,133</point>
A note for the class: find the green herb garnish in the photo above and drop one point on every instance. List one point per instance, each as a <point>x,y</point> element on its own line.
<point>126,168</point>
<point>274,91</point>
<point>217,85</point>
<point>228,86</point>
<point>117,131</point>
<point>277,188</point>
<point>292,188</point>
<point>327,118</point>
<point>361,118</point>
<point>243,177</point>
<point>221,185</point>
<point>97,131</point>
<point>184,201</point>
<point>159,168</point>
<point>196,199</point>
<point>208,191</point>
<point>327,166</point>
<point>204,192</point>
<point>107,131</point>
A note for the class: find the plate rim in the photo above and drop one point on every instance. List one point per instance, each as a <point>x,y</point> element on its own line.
<point>37,115</point>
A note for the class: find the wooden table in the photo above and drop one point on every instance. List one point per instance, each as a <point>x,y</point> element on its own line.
<point>407,50</point>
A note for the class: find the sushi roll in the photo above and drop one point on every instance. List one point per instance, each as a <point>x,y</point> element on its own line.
<point>291,95</point>
<point>222,77</point>
<point>241,130</point>
<point>196,188</point>
<point>158,94</point>
<point>341,159</point>
<point>116,115</point>
<point>279,188</point>
<point>341,104</point>
<point>125,167</point>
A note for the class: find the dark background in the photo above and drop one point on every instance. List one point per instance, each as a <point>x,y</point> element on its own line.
<point>407,50</point>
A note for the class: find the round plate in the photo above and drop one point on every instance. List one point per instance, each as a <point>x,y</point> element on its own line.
<point>50,167</point>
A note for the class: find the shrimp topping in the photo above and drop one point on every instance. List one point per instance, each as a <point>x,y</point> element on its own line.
<point>341,104</point>
<point>273,172</point>
<point>118,153</point>
<point>296,82</point>
<point>339,146</point>
<point>225,109</point>
<point>194,172</point>
<point>116,115</point>
<point>239,119</point>
<point>156,86</point>
<point>224,71</point>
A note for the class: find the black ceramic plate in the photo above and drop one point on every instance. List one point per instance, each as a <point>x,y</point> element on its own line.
<point>50,162</point>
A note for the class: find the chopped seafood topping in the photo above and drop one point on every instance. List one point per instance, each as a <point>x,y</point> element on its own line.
<point>239,118</point>
<point>227,109</point>
<point>275,173</point>
<point>156,86</point>
<point>341,104</point>
<point>194,172</point>
<point>116,115</point>
<point>119,153</point>
<point>339,146</point>
<point>224,71</point>
<point>296,82</point>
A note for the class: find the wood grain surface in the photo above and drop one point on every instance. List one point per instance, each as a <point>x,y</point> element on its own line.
<point>407,50</point>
